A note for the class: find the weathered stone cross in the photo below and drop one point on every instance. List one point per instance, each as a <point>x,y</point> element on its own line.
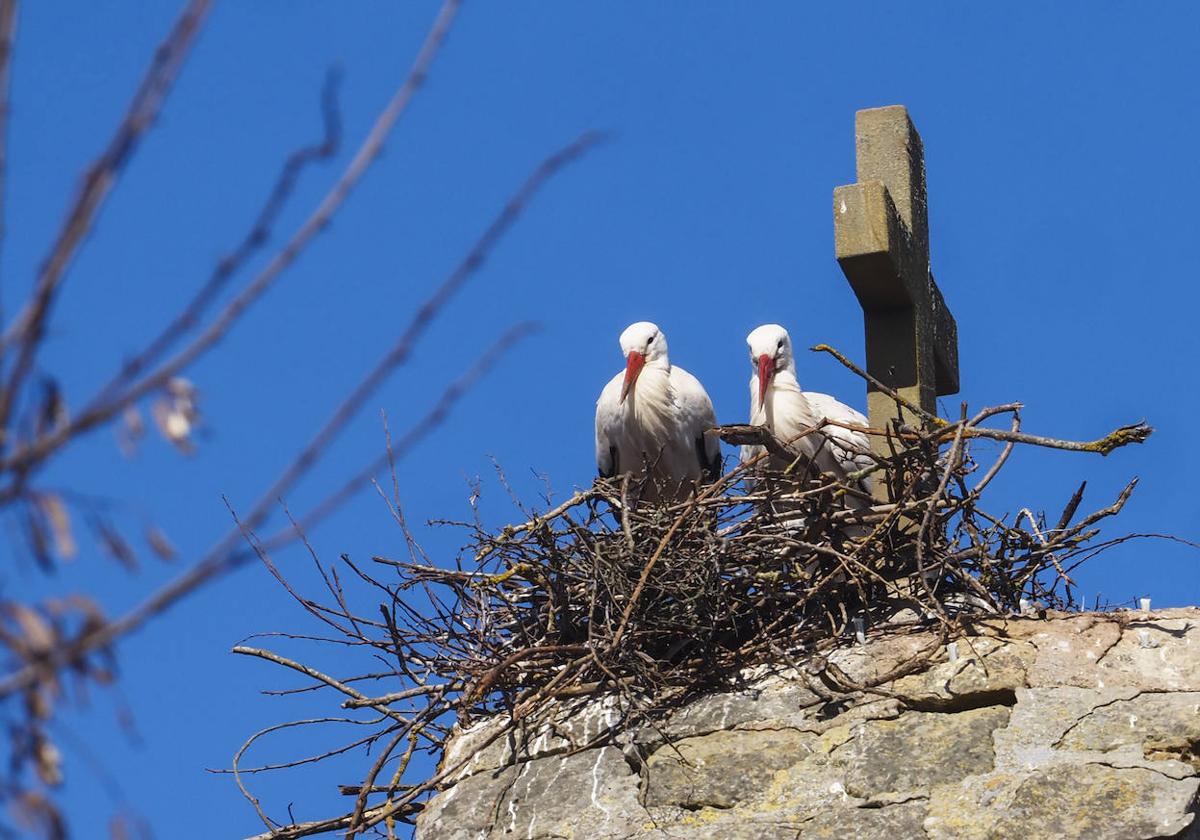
<point>881,233</point>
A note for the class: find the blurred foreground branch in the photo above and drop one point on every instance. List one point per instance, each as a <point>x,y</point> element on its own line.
<point>53,651</point>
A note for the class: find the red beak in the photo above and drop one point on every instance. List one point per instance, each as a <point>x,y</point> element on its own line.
<point>766,370</point>
<point>634,363</point>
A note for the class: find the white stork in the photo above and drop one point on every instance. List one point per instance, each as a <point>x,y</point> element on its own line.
<point>655,414</point>
<point>777,402</point>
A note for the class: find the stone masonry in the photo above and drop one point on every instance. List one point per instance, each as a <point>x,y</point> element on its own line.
<point>1075,725</point>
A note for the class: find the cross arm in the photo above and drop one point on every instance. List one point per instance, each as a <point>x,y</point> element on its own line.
<point>945,342</point>
<point>888,270</point>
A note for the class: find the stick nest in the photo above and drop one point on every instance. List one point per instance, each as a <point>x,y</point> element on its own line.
<point>603,595</point>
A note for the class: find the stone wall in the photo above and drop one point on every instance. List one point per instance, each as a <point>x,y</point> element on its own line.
<point>1068,726</point>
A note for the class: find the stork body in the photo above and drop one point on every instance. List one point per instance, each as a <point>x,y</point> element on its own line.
<point>654,415</point>
<point>778,403</point>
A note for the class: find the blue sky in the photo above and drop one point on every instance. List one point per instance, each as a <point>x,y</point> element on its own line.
<point>1061,164</point>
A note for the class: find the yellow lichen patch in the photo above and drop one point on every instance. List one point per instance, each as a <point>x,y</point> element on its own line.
<point>702,817</point>
<point>833,738</point>
<point>518,569</point>
<point>1136,433</point>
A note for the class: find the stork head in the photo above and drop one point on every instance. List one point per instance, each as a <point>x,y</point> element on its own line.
<point>770,353</point>
<point>642,343</point>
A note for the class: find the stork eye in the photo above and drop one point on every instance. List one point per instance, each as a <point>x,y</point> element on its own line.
<point>779,346</point>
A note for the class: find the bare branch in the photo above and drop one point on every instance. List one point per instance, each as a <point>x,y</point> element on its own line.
<point>352,693</point>
<point>419,430</point>
<point>1133,433</point>
<point>8,27</point>
<point>879,386</point>
<point>29,327</point>
<point>316,222</point>
<point>225,556</point>
<point>254,240</point>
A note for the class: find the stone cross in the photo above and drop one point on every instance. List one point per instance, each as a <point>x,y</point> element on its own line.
<point>881,234</point>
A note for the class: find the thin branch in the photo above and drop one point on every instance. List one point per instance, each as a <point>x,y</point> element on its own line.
<point>419,430</point>
<point>1133,433</point>
<point>371,816</point>
<point>223,556</point>
<point>418,325</point>
<point>8,28</point>
<point>237,771</point>
<point>352,693</point>
<point>1122,436</point>
<point>408,693</point>
<point>316,222</point>
<point>254,240</point>
<point>879,386</point>
<point>29,327</point>
<point>310,759</point>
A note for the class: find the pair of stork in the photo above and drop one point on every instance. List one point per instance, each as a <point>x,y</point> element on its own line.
<point>657,415</point>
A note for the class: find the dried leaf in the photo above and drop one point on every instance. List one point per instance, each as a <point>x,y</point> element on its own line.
<point>160,410</point>
<point>176,415</point>
<point>36,813</point>
<point>47,760</point>
<point>115,544</point>
<point>39,702</point>
<point>37,635</point>
<point>159,543</point>
<point>60,524</point>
